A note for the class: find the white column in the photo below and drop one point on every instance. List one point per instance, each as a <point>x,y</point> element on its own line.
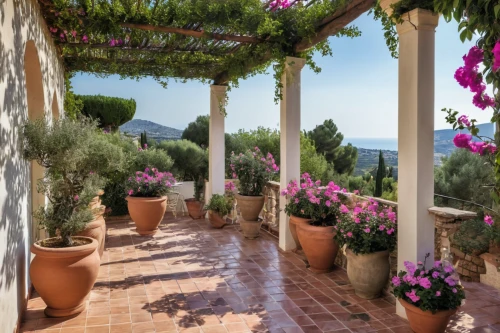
<point>416,138</point>
<point>289,139</point>
<point>216,146</point>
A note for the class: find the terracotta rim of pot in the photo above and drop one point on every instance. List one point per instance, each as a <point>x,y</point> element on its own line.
<point>249,197</point>
<point>383,253</point>
<point>439,313</point>
<point>96,223</point>
<point>299,220</point>
<point>65,252</point>
<point>148,199</point>
<point>191,200</point>
<point>318,230</point>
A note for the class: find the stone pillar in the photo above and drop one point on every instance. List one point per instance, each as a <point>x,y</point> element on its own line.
<point>216,145</point>
<point>416,137</point>
<point>289,139</point>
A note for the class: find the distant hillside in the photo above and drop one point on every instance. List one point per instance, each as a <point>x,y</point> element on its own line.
<point>153,130</point>
<point>443,146</point>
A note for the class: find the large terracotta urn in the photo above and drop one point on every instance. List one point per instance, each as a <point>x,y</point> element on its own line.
<point>426,321</point>
<point>293,222</point>
<point>250,206</point>
<point>250,229</point>
<point>319,246</point>
<point>96,229</point>
<point>147,213</point>
<point>63,276</point>
<point>195,208</point>
<point>368,273</point>
<point>216,221</point>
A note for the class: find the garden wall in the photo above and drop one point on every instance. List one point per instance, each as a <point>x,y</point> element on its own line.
<point>31,85</point>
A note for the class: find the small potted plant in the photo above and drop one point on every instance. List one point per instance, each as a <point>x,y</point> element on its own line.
<point>253,171</point>
<point>322,205</point>
<point>369,232</point>
<point>429,296</point>
<point>147,198</point>
<point>218,207</point>
<point>74,155</point>
<point>194,205</point>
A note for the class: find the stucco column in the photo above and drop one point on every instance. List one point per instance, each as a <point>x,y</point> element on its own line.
<point>289,139</point>
<point>416,138</point>
<point>216,149</point>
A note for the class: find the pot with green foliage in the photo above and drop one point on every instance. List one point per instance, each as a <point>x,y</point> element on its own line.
<point>296,209</point>
<point>253,171</point>
<point>369,232</point>
<point>218,207</point>
<point>195,206</point>
<point>147,199</point>
<point>74,154</point>
<point>322,205</point>
<point>430,296</point>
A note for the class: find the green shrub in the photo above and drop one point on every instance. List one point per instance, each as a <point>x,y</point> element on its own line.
<point>472,237</point>
<point>219,204</point>
<point>110,111</point>
<point>190,161</point>
<point>134,160</point>
<point>75,155</point>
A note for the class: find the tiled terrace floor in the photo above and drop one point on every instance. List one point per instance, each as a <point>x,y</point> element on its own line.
<point>193,279</point>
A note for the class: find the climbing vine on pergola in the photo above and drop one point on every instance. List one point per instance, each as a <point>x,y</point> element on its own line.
<point>208,40</point>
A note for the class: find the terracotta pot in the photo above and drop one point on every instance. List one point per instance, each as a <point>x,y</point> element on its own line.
<point>64,276</point>
<point>251,229</point>
<point>250,206</point>
<point>216,220</point>
<point>147,213</point>
<point>426,321</point>
<point>368,273</point>
<point>319,246</point>
<point>195,209</point>
<point>95,203</point>
<point>96,229</point>
<point>293,221</point>
<point>494,247</point>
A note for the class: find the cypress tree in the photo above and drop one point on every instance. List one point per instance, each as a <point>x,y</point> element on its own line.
<point>145,139</point>
<point>381,172</point>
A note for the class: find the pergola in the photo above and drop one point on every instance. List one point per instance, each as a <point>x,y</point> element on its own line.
<point>222,41</point>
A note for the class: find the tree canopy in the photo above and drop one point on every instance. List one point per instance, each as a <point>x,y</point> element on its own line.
<point>110,111</point>
<point>198,131</point>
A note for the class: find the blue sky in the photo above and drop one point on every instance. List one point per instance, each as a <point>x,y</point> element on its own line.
<point>357,88</point>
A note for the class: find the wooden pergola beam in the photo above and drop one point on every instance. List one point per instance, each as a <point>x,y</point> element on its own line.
<point>333,24</point>
<point>106,46</point>
<point>193,33</point>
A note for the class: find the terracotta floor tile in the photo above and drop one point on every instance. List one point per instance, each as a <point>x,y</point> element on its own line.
<point>214,329</point>
<point>140,317</point>
<point>121,328</point>
<point>146,327</point>
<point>97,329</point>
<point>236,327</point>
<point>165,326</point>
<point>329,326</point>
<point>120,319</point>
<point>72,330</point>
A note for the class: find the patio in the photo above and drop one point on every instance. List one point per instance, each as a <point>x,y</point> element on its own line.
<point>192,278</point>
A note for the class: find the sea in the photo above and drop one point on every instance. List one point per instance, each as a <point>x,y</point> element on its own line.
<point>371,143</point>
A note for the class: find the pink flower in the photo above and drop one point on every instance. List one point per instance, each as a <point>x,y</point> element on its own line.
<point>496,56</point>
<point>381,227</point>
<point>412,296</point>
<point>390,231</point>
<point>344,209</point>
<point>328,203</point>
<point>367,230</point>
<point>437,264</point>
<point>449,269</point>
<point>73,33</point>
<point>112,42</point>
<point>356,192</point>
<point>349,234</point>
<point>53,30</point>
<point>435,274</point>
<point>296,200</point>
<point>76,197</point>
<point>463,120</point>
<point>357,220</point>
<point>454,290</point>
<point>424,282</point>
<point>85,39</point>
<point>130,192</point>
<point>438,293</point>
<point>396,281</point>
<point>462,140</point>
<point>450,281</point>
<point>488,220</point>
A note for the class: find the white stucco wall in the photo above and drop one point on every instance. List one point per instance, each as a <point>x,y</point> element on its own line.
<point>20,21</point>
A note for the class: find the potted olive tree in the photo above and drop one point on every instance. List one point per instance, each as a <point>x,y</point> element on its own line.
<point>369,231</point>
<point>253,171</point>
<point>195,205</point>
<point>319,206</point>
<point>74,153</point>
<point>429,296</point>
<point>147,198</point>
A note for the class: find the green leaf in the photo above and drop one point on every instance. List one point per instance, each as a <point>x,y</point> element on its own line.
<point>497,10</point>
<point>463,35</point>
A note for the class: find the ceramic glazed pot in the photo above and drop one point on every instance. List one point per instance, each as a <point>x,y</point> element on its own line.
<point>250,206</point>
<point>64,276</point>
<point>426,321</point>
<point>368,273</point>
<point>216,221</point>
<point>96,229</point>
<point>319,246</point>
<point>293,221</point>
<point>147,213</point>
<point>195,208</point>
<point>251,229</point>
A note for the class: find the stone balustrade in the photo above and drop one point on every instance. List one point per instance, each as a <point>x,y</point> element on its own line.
<point>271,211</point>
